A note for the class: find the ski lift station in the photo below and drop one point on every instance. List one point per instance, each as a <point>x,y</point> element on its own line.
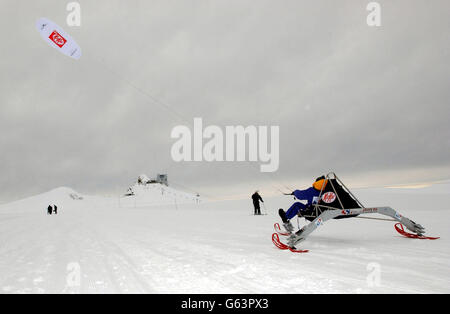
<point>160,178</point>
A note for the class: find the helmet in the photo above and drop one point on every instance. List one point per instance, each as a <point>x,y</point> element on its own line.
<point>320,183</point>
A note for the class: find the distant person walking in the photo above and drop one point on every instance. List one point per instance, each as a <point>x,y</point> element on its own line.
<point>256,198</point>
<point>55,209</point>
<point>49,210</point>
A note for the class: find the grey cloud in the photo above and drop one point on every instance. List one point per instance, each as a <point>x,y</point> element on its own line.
<point>346,97</point>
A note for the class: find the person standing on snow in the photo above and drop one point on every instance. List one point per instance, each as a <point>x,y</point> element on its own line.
<point>55,209</point>
<point>256,198</point>
<point>49,210</point>
<point>310,195</point>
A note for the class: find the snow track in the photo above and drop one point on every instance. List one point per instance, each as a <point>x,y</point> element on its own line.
<point>213,248</point>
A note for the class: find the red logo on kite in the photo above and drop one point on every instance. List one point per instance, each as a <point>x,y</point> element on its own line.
<point>57,39</point>
<point>329,197</point>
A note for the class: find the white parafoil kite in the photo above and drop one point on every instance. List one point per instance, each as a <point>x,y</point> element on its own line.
<point>56,37</point>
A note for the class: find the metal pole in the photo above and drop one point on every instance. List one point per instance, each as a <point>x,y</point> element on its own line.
<point>265,209</point>
<point>373,218</point>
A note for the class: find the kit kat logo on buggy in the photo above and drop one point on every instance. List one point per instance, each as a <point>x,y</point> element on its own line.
<point>329,197</point>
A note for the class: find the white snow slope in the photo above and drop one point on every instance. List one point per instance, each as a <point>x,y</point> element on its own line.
<point>95,246</point>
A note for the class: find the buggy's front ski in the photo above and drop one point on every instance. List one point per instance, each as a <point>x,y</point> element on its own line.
<point>278,230</point>
<point>401,230</point>
<point>276,241</point>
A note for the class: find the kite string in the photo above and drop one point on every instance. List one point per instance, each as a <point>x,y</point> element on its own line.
<point>275,183</point>
<point>144,93</point>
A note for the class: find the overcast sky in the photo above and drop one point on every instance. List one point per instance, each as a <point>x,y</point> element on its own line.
<point>370,103</point>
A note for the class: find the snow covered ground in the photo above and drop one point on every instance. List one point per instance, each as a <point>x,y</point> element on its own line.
<point>217,247</point>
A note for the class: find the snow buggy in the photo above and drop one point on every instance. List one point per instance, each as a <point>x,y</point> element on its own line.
<point>337,202</point>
